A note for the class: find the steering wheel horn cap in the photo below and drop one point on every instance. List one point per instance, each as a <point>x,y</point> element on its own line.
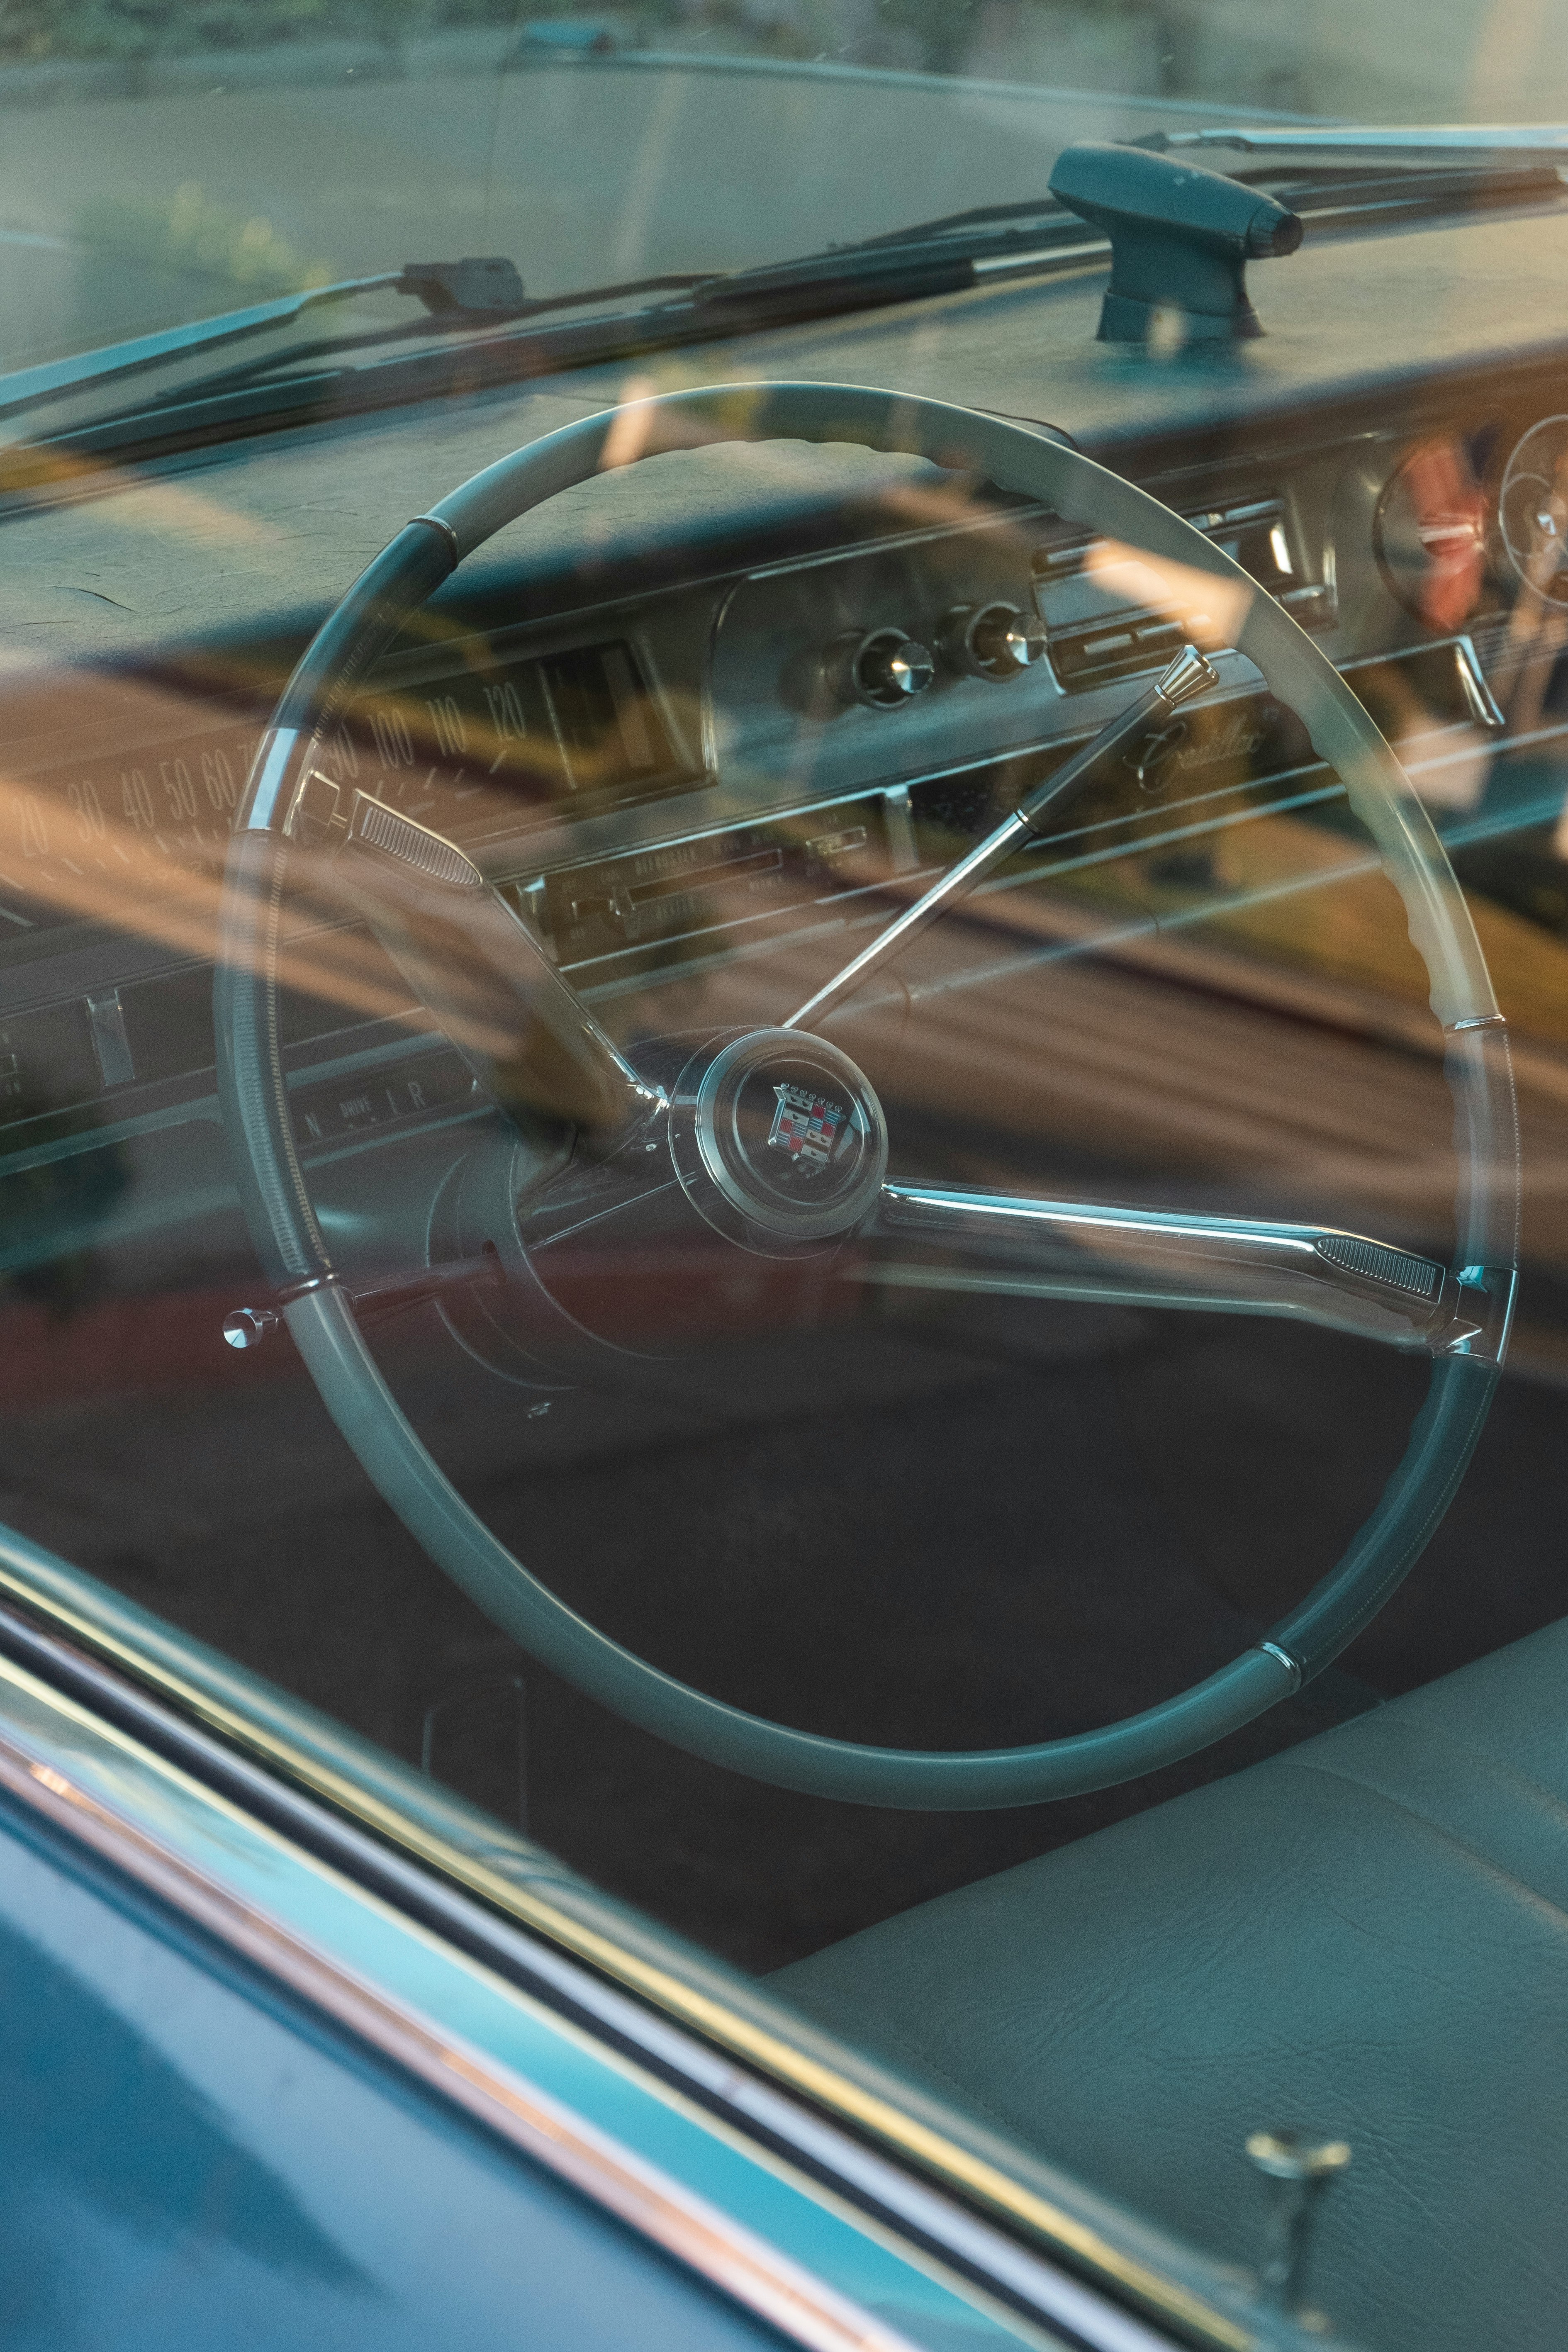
<point>778,1140</point>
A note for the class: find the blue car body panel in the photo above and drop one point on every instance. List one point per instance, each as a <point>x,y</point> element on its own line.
<point>191,2157</point>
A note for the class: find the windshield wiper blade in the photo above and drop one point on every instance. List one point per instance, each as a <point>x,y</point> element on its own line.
<point>487,299</point>
<point>255,370</point>
<point>1346,176</point>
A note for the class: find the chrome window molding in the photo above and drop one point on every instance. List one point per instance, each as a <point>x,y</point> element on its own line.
<point>392,1839</point>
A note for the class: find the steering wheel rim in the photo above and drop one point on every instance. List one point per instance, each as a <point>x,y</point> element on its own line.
<point>295,1258</point>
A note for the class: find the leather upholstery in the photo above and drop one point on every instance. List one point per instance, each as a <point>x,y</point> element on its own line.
<point>1366,1936</point>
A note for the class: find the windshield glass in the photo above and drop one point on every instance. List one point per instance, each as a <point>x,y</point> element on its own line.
<point>796,1181</point>
<point>164,163</point>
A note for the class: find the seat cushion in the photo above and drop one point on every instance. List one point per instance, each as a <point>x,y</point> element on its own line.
<point>1366,1937</point>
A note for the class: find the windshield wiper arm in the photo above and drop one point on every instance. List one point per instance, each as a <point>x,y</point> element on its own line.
<point>469,295</point>
<point>30,387</point>
<point>1548,140</point>
<point>976,216</point>
<point>929,256</point>
<point>415,330</point>
<point>476,292</point>
<point>936,256</point>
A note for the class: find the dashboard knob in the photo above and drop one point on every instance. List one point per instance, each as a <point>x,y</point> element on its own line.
<point>884,669</point>
<point>246,1326</point>
<point>995,641</point>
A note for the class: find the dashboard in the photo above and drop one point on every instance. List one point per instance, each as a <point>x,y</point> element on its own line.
<point>737,754</point>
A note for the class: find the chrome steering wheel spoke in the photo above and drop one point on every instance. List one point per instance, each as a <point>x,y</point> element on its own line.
<point>939,1237</point>
<point>1187,676</point>
<point>476,967</point>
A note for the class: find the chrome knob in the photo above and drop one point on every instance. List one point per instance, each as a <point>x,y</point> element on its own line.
<point>884,669</point>
<point>1188,675</point>
<point>246,1326</point>
<point>995,641</point>
<point>1298,2169</point>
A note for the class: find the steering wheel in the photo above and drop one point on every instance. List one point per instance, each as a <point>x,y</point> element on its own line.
<point>686,1139</point>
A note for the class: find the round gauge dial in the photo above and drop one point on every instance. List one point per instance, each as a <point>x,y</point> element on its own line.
<point>1431,534</point>
<point>1532,509</point>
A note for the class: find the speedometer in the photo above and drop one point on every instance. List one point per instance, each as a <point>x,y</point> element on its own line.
<point>1533,510</point>
<point>148,815</point>
<point>488,741</point>
<point>476,744</point>
<point>1430,534</point>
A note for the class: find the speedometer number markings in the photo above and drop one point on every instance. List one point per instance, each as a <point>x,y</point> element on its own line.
<point>35,832</point>
<point>446,726</point>
<point>136,800</point>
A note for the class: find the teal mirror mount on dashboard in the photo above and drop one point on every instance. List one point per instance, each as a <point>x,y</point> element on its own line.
<point>1181,238</point>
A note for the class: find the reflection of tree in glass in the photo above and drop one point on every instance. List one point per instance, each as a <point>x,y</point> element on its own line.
<point>944,30</point>
<point>190,232</point>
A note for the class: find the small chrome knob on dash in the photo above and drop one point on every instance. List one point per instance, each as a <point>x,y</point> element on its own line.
<point>246,1326</point>
<point>995,641</point>
<point>1298,2169</point>
<point>884,669</point>
<point>1188,675</point>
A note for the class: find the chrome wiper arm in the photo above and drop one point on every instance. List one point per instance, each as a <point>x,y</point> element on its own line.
<point>254,371</point>
<point>918,249</point>
<point>30,387</point>
<point>461,294</point>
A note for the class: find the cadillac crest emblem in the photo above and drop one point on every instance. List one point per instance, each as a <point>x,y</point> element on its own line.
<point>807,1125</point>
